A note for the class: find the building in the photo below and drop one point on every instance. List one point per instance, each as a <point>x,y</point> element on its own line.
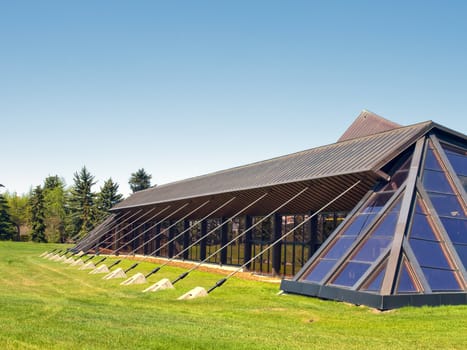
<point>392,198</point>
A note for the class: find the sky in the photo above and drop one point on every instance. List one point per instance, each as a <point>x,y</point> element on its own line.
<point>185,88</point>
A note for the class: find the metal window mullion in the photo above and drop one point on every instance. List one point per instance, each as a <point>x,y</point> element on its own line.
<point>451,172</point>
<point>328,240</point>
<point>362,237</point>
<point>451,250</point>
<point>401,225</point>
<point>357,285</point>
<point>412,260</point>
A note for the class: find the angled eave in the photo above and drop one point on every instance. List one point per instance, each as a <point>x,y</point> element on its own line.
<point>353,158</point>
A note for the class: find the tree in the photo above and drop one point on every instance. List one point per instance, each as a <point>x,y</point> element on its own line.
<point>140,180</point>
<point>55,197</point>
<point>107,198</point>
<point>37,208</point>
<point>18,210</point>
<point>7,228</point>
<point>81,203</point>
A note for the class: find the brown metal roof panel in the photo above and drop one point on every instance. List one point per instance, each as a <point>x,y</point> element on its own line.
<point>367,123</point>
<point>347,157</point>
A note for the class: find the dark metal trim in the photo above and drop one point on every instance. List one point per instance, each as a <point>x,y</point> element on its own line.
<point>382,302</point>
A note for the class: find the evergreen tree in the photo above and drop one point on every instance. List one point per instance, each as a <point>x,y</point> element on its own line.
<point>81,203</point>
<point>37,207</point>
<point>140,180</point>
<point>7,228</point>
<point>107,198</point>
<point>55,197</point>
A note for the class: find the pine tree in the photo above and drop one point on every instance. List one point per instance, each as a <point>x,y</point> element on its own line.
<point>140,180</point>
<point>37,207</point>
<point>7,228</point>
<point>81,203</point>
<point>107,198</point>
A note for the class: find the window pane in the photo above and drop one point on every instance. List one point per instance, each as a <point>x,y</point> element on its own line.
<point>339,248</point>
<point>375,285</point>
<point>378,201</point>
<point>436,181</point>
<point>441,279</point>
<point>372,249</point>
<point>421,228</point>
<point>358,225</point>
<point>446,205</point>
<point>351,273</point>
<point>430,161</point>
<point>462,252</point>
<point>456,229</point>
<point>429,254</point>
<point>406,284</point>
<point>320,270</point>
<point>458,162</point>
<point>463,180</point>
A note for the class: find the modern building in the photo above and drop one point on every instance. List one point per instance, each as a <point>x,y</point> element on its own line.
<point>377,218</point>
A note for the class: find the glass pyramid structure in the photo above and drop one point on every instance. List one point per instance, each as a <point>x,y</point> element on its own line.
<point>405,243</point>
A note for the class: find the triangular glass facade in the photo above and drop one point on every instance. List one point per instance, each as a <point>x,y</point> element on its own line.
<point>407,239</point>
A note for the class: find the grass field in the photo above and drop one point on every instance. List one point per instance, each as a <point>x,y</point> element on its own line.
<point>49,305</point>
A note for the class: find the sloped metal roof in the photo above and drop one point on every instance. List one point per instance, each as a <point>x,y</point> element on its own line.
<point>356,156</point>
<point>367,123</point>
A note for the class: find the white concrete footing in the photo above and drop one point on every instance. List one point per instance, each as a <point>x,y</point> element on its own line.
<point>161,285</point>
<point>70,260</point>
<point>54,257</point>
<point>196,292</point>
<point>118,273</point>
<point>135,279</point>
<point>43,254</point>
<point>88,266</point>
<point>100,269</point>
<point>77,262</point>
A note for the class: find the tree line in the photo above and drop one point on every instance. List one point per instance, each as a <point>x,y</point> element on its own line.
<point>53,212</point>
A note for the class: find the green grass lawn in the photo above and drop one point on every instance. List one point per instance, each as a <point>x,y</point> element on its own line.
<point>50,305</point>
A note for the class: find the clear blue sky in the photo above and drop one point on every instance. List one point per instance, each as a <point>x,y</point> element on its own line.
<point>183,88</point>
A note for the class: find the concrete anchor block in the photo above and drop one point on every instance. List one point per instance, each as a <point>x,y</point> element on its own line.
<point>68,261</point>
<point>43,254</point>
<point>118,273</point>
<point>48,255</point>
<point>77,262</point>
<point>100,269</point>
<point>88,266</point>
<point>161,285</point>
<point>62,258</point>
<point>196,292</point>
<point>54,257</point>
<point>135,279</point>
<point>80,254</point>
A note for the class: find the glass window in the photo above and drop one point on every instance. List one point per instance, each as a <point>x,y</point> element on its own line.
<point>440,279</point>
<point>446,205</point>
<point>456,229</point>
<point>372,249</point>
<point>320,270</point>
<point>458,160</point>
<point>339,248</point>
<point>436,181</point>
<point>431,162</point>
<point>351,274</point>
<point>429,253</point>
<point>421,228</point>
<point>375,285</point>
<point>462,252</point>
<point>358,224</point>
<point>406,283</point>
